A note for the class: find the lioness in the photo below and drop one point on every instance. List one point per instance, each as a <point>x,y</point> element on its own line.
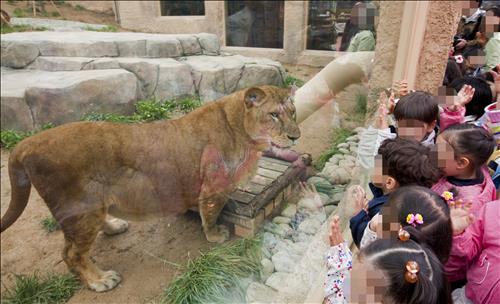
<point>88,171</point>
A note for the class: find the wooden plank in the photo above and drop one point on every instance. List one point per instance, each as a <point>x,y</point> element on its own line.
<point>278,161</point>
<point>272,166</point>
<point>252,188</point>
<point>268,209</point>
<point>241,196</point>
<point>235,207</point>
<point>262,180</point>
<point>268,173</point>
<point>244,221</point>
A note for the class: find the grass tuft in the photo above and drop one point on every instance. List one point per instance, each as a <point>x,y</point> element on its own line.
<point>78,7</point>
<point>6,29</point>
<point>107,28</point>
<point>290,80</point>
<point>19,12</point>
<point>339,136</point>
<point>50,224</point>
<point>54,288</point>
<point>10,138</point>
<point>215,274</point>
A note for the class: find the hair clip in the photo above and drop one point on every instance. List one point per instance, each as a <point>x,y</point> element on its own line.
<point>411,274</point>
<point>414,219</point>
<point>458,58</point>
<point>403,235</point>
<point>447,195</point>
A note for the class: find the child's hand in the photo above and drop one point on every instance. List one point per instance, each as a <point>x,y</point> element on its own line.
<point>309,192</point>
<point>464,96</point>
<point>335,233</point>
<point>357,198</point>
<point>383,103</point>
<point>402,87</point>
<point>460,216</point>
<point>496,78</point>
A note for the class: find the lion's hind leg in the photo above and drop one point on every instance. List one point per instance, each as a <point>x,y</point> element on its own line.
<point>80,231</point>
<point>113,225</point>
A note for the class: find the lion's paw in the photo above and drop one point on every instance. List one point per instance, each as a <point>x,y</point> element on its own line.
<point>220,234</point>
<point>108,281</point>
<point>115,226</point>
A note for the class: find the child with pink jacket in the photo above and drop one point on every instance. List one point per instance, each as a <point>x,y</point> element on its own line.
<point>478,244</point>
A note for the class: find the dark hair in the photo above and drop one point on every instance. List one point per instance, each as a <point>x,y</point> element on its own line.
<point>391,256</point>
<point>482,94</point>
<point>408,162</point>
<point>436,230</point>
<point>452,72</point>
<point>472,141</point>
<point>417,105</point>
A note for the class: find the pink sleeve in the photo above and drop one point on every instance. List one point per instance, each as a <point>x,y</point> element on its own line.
<point>465,248</point>
<point>448,118</point>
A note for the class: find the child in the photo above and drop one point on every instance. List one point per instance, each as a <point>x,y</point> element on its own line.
<point>479,245</point>
<point>402,162</point>
<point>422,213</point>
<point>388,271</point>
<point>463,151</point>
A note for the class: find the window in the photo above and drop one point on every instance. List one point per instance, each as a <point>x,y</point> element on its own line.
<point>341,25</point>
<point>255,23</point>
<point>182,8</point>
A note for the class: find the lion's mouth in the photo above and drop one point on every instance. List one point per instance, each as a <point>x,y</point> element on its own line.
<point>279,146</point>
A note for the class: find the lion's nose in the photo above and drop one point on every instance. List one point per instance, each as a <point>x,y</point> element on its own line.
<point>292,138</point>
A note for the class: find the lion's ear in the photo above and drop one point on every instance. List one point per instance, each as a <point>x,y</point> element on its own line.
<point>254,97</point>
<point>293,89</point>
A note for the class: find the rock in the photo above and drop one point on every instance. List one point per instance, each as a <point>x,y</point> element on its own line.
<point>60,63</point>
<point>353,149</point>
<point>353,138</point>
<point>299,247</point>
<point>343,145</point>
<point>163,48</point>
<point>174,80</point>
<point>344,150</point>
<point>346,164</point>
<point>282,245</point>
<point>359,130</point>
<point>209,43</point>
<point>61,97</point>
<point>189,44</point>
<point>317,180</point>
<point>343,176</point>
<point>337,197</point>
<point>329,209</point>
<point>266,252</point>
<point>18,55</point>
<point>311,204</point>
<point>267,268</point>
<point>309,226</point>
<point>319,216</point>
<point>276,281</point>
<point>269,240</point>
<point>350,158</point>
<point>261,293</point>
<point>259,74</point>
<point>285,261</point>
<point>289,211</point>
<point>281,220</point>
<point>302,237</point>
<point>324,198</point>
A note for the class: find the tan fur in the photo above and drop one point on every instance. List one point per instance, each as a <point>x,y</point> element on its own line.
<point>85,170</point>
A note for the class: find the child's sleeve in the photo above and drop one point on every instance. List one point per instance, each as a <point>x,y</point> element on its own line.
<point>448,117</point>
<point>369,236</point>
<point>370,141</point>
<point>338,264</point>
<point>357,224</point>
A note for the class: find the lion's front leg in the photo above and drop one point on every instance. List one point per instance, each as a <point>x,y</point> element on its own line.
<point>210,209</point>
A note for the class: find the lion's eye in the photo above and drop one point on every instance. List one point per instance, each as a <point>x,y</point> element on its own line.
<point>274,114</point>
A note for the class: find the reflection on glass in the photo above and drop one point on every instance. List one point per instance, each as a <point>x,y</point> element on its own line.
<point>341,26</point>
<point>255,23</point>
<point>182,8</point>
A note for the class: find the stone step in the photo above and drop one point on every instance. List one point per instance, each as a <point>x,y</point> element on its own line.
<point>30,99</point>
<point>211,77</point>
<point>22,48</point>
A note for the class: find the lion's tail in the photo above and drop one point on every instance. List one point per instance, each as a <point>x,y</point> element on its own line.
<point>20,192</point>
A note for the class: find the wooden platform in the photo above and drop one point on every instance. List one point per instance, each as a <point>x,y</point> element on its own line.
<point>261,197</point>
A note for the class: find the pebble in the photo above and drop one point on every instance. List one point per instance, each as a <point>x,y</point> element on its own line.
<point>285,261</point>
<point>276,281</point>
<point>346,164</point>
<point>337,197</point>
<point>269,240</point>
<point>344,151</point>
<point>353,138</point>
<point>301,237</point>
<point>267,267</point>
<point>329,210</point>
<point>359,130</point>
<point>350,158</point>
<point>343,145</point>
<point>310,226</point>
<point>281,220</point>
<point>289,211</point>
<point>260,293</point>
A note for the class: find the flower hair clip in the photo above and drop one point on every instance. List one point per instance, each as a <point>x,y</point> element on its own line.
<point>448,197</point>
<point>411,274</point>
<point>414,219</point>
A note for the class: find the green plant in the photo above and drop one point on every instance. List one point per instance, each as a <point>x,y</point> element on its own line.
<point>216,273</point>
<point>55,14</point>
<point>5,29</point>
<point>78,7</point>
<point>339,136</point>
<point>19,12</point>
<point>50,224</point>
<point>189,103</point>
<point>152,109</point>
<point>111,117</point>
<point>10,138</point>
<point>290,80</point>
<point>53,288</point>
<point>107,28</point>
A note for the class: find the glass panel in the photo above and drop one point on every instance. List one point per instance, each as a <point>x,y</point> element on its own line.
<point>255,23</point>
<point>182,8</point>
<point>341,26</point>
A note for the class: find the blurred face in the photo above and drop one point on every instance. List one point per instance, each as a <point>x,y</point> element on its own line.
<point>368,284</point>
<point>414,129</point>
<point>446,157</point>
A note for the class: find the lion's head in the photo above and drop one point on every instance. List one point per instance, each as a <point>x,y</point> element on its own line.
<point>270,115</point>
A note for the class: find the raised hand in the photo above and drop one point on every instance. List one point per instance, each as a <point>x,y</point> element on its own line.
<point>460,216</point>
<point>383,110</point>
<point>464,96</point>
<point>357,198</point>
<point>335,233</point>
<point>402,88</point>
